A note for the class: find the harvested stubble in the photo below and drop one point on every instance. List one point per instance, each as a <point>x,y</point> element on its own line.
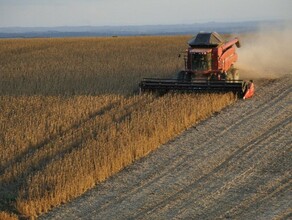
<point>57,142</point>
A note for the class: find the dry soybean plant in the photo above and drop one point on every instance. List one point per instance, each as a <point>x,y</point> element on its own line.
<point>70,118</point>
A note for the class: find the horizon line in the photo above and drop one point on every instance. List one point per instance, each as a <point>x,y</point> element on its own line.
<point>141,25</point>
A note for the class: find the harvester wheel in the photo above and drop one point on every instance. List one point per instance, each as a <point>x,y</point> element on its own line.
<point>181,75</point>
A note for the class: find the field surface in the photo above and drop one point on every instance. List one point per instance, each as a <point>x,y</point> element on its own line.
<point>70,115</point>
<point>236,164</point>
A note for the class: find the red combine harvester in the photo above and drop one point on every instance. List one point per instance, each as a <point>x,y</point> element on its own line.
<point>209,67</point>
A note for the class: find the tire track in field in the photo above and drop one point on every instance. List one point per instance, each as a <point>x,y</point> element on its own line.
<point>174,165</point>
<point>243,155</point>
<point>226,190</point>
<point>136,191</point>
<point>275,187</point>
<point>183,160</point>
<point>178,172</point>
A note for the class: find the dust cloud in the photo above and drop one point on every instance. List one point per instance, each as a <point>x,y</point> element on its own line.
<point>266,54</point>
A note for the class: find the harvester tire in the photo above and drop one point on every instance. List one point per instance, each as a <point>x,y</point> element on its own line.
<point>181,75</point>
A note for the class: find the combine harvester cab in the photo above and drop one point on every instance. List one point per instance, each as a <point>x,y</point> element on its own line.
<point>209,67</point>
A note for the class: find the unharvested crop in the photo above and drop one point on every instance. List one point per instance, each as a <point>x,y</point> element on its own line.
<point>70,117</point>
<point>85,66</point>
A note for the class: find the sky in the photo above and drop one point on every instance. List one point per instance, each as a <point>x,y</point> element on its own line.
<point>51,13</point>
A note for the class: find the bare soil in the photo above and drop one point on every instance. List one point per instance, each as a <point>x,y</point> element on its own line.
<point>236,164</point>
